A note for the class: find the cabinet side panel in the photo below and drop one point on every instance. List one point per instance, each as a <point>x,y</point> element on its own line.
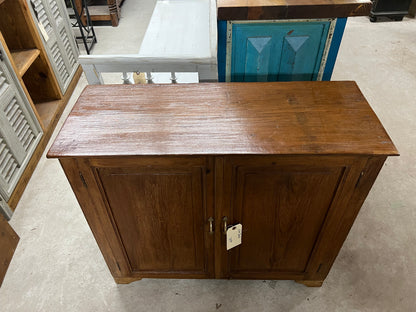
<point>89,196</point>
<point>340,220</point>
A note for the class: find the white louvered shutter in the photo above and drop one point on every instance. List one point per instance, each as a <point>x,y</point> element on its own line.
<point>20,131</point>
<point>59,42</point>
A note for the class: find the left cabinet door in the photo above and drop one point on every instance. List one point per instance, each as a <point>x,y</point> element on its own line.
<point>20,131</point>
<point>161,208</point>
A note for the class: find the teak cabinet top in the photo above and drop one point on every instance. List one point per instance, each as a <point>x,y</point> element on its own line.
<point>284,118</point>
<point>290,9</point>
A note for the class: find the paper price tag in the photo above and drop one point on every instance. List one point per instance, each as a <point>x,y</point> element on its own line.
<point>234,234</point>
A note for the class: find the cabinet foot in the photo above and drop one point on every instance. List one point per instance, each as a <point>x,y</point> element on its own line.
<point>311,283</point>
<point>126,280</point>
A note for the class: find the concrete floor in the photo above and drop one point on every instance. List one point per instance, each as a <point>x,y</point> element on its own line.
<point>58,266</point>
<point>135,16</point>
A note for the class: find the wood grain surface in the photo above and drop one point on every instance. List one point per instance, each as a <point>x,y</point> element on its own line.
<point>24,58</point>
<point>282,207</point>
<point>8,243</point>
<point>290,9</point>
<point>161,170</point>
<point>222,119</point>
<point>161,207</point>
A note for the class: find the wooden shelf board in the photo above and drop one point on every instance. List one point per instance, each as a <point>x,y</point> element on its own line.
<point>24,58</point>
<point>98,10</point>
<point>47,111</point>
<point>98,13</point>
<point>100,18</point>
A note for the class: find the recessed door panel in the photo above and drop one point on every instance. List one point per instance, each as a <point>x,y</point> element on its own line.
<point>160,214</point>
<point>282,209</point>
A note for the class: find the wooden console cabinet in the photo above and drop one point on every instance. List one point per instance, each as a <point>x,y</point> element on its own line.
<point>161,171</point>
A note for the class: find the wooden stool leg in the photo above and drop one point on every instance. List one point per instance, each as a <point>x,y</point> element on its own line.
<point>311,283</point>
<point>126,280</point>
<point>114,12</point>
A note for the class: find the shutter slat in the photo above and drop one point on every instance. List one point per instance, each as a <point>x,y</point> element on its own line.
<point>59,62</point>
<point>5,161</point>
<point>3,82</point>
<point>11,172</point>
<point>41,15</point>
<point>29,141</point>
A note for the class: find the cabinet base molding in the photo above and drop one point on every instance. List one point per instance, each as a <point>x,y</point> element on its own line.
<point>128,280</point>
<point>311,283</point>
<point>24,180</point>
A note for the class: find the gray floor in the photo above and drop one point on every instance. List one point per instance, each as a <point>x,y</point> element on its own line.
<point>127,36</point>
<point>58,266</point>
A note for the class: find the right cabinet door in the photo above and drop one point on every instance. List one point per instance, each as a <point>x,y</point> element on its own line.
<point>282,204</point>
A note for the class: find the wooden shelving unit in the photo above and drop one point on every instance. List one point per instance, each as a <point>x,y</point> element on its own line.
<point>23,59</point>
<point>25,50</point>
<point>47,112</point>
<point>28,56</point>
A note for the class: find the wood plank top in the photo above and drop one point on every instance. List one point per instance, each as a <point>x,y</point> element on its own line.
<point>290,9</point>
<point>24,58</point>
<point>273,118</point>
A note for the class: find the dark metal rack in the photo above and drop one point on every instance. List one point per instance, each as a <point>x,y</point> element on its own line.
<point>80,18</point>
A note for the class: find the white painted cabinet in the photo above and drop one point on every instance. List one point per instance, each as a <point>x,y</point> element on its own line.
<point>58,38</point>
<point>20,131</point>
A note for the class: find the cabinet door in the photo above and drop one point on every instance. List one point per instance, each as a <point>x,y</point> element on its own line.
<point>20,131</point>
<point>282,204</point>
<point>58,38</point>
<point>277,51</point>
<point>161,209</point>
